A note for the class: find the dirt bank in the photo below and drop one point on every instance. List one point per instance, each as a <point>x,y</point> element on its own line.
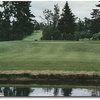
<point>50,77</point>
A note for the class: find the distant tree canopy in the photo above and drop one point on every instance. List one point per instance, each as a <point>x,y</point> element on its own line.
<point>50,31</point>
<point>96,20</point>
<point>59,27</point>
<point>65,26</point>
<point>15,20</point>
<point>83,28</point>
<point>36,25</point>
<point>95,26</point>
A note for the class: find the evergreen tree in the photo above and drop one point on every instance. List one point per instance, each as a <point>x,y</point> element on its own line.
<point>5,16</point>
<point>16,20</point>
<point>95,20</point>
<point>23,25</point>
<point>1,21</point>
<point>67,24</point>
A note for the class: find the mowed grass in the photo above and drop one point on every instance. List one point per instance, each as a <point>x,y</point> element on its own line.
<point>35,36</point>
<point>50,55</point>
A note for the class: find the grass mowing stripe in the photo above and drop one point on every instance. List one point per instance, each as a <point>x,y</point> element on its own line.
<point>50,55</point>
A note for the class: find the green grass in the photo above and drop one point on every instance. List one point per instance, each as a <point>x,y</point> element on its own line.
<point>35,36</point>
<point>49,55</point>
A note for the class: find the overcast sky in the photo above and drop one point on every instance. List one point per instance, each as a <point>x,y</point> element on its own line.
<point>80,8</point>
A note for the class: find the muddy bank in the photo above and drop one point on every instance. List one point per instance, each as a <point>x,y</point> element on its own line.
<point>50,77</point>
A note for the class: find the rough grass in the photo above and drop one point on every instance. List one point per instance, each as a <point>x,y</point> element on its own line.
<point>49,55</point>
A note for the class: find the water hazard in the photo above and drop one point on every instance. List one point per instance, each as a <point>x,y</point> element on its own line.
<point>48,91</point>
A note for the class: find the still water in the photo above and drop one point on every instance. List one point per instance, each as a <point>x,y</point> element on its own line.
<point>33,91</point>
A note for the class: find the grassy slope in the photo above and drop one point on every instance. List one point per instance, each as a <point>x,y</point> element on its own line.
<point>50,55</point>
<point>35,36</point>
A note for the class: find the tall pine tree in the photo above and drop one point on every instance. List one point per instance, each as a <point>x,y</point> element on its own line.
<point>67,24</point>
<point>23,25</point>
<point>16,20</point>
<point>5,21</point>
<point>95,20</point>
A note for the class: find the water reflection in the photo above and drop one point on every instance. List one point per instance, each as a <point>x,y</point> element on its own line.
<point>66,92</point>
<point>13,91</point>
<point>16,91</point>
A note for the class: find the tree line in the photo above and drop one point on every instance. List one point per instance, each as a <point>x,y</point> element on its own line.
<point>68,27</point>
<point>17,22</point>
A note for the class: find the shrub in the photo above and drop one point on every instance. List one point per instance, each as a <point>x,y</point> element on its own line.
<point>96,36</point>
<point>51,33</point>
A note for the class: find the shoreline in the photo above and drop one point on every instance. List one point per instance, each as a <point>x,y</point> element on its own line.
<point>86,78</point>
<point>48,72</point>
